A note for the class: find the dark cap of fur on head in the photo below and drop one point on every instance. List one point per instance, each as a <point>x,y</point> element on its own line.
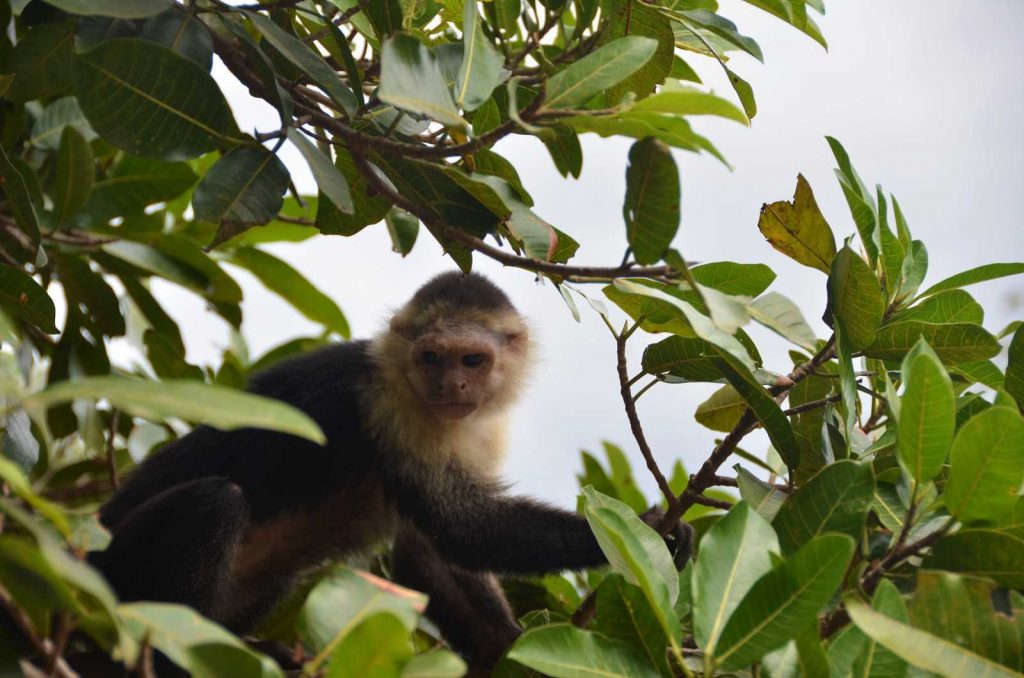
<point>464,291</point>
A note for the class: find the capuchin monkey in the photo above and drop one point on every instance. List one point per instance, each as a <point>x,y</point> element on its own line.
<point>415,420</point>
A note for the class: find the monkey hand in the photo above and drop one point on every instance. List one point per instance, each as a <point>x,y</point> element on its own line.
<point>679,540</point>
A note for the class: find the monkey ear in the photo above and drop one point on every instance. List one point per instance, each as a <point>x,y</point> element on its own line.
<point>517,337</point>
<point>402,326</point>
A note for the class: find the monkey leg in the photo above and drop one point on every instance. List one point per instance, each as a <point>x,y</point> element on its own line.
<point>177,546</point>
<point>469,607</point>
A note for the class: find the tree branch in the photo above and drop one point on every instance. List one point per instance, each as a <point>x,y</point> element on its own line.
<point>634,424</point>
<point>441,229</point>
<point>705,477</point>
<point>44,646</point>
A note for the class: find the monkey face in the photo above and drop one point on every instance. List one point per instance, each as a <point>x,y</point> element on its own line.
<point>452,370</point>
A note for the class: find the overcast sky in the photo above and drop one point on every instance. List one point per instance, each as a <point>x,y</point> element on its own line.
<point>924,94</point>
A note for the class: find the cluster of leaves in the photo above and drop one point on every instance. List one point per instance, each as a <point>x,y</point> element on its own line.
<point>886,539</point>
<point>121,164</point>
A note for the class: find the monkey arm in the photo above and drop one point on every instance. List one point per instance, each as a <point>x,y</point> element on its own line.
<point>478,527</point>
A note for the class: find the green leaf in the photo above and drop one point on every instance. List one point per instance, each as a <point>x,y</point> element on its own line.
<point>219,286</point>
<point>946,657</point>
<point>345,598</point>
<point>20,485</point>
<point>86,289</point>
<point>889,507</point>
<point>15,187</point>
<point>986,465</point>
<point>435,664</point>
<point>411,80</point>
<point>263,69</point>
<point>974,275</point>
<point>534,235</point>
<point>798,229</point>
<point>731,278</point>
<point>734,554</point>
<point>626,617</point>
<point>927,415</point>
<point>135,183</point>
<point>307,61</point>
<point>442,193</point>
<point>954,343</point>
<point>862,206</point>
<point>637,552</point>
<point>763,405</point>
<point>329,179</point>
<point>247,185</point>
<point>855,299</point>
<point>652,205</point>
<point>293,287</point>
<point>794,13</point>
<point>367,209</point>
<point>673,130</point>
<point>783,317</point>
<point>122,9</point>
<point>200,646</point>
<point>49,125</point>
<point>744,91</point>
<point>377,647</point>
<point>639,19</point>
<point>603,68</point>
<point>981,372</point>
<point>41,62</point>
<point>74,173</point>
<point>722,410</point>
<point>836,499</point>
<point>145,99</point>
<point>22,297</point>
<point>564,651</point>
<point>403,229</point>
<point>683,358</point>
<point>658,307</point>
<point>854,652</point>
<point>765,499</point>
<point>1014,383</point>
<point>482,64</point>
<point>95,601</point>
<point>217,406</point>
<point>784,601</point>
<point>690,101</point>
<point>952,306</point>
<point>385,16</point>
<point>983,553</point>
<point>182,32</point>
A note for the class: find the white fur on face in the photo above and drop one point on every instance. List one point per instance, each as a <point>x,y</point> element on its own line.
<point>396,414</point>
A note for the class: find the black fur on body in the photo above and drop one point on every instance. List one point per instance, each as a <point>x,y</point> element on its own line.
<point>225,521</point>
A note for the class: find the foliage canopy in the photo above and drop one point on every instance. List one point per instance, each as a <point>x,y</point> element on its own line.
<point>881,534</point>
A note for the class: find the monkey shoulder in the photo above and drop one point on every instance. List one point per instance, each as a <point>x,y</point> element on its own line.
<point>276,471</point>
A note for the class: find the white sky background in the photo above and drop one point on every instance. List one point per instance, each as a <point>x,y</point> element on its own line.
<point>924,94</point>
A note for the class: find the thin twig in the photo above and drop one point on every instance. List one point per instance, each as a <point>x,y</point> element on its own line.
<point>725,481</point>
<point>635,426</point>
<point>62,632</point>
<point>115,419</point>
<point>144,664</point>
<point>812,405</point>
<point>707,501</point>
<point>44,646</point>
<point>869,582</point>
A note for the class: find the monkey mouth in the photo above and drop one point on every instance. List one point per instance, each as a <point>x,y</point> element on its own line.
<point>451,410</point>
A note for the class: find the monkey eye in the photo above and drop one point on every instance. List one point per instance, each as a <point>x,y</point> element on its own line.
<point>473,359</point>
<point>430,358</point>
